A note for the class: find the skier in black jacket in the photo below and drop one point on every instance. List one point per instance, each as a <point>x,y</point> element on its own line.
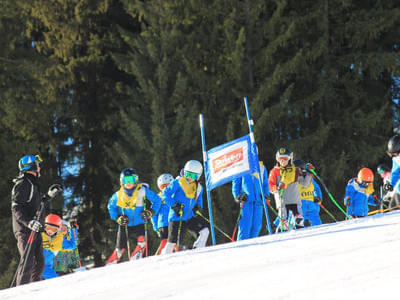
<point>25,202</point>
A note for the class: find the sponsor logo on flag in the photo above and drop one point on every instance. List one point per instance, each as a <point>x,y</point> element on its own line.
<point>229,161</point>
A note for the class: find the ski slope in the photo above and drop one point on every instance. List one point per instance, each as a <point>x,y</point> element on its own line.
<point>356,259</point>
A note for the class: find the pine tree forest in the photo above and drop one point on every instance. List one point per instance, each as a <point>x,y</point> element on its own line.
<point>98,86</point>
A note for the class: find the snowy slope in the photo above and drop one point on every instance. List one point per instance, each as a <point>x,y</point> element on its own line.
<point>357,259</point>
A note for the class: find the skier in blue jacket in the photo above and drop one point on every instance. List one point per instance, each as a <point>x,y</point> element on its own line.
<point>129,209</point>
<point>184,196</point>
<point>246,191</point>
<point>359,193</point>
<point>311,195</point>
<point>161,225</point>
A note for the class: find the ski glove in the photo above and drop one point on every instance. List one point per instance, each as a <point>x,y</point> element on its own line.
<point>197,210</point>
<point>317,200</point>
<point>241,198</point>
<point>347,201</point>
<point>387,187</point>
<point>35,225</point>
<point>54,190</point>
<point>123,220</point>
<point>309,167</point>
<point>281,186</point>
<point>147,214</point>
<point>178,209</point>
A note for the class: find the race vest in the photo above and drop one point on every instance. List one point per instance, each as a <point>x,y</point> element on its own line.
<point>288,175</point>
<point>126,201</point>
<point>306,193</point>
<point>53,243</point>
<point>188,188</point>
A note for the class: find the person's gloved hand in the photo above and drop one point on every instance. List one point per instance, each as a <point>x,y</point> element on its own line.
<point>35,225</point>
<point>387,187</point>
<point>346,201</point>
<point>241,198</point>
<point>123,220</point>
<point>54,190</point>
<point>281,186</point>
<point>197,209</point>
<point>146,214</point>
<point>178,209</point>
<point>317,200</point>
<point>310,167</point>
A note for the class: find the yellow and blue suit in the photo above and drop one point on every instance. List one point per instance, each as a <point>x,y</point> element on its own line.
<point>309,207</point>
<point>51,246</point>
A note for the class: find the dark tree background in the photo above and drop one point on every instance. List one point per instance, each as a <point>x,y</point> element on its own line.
<point>105,85</point>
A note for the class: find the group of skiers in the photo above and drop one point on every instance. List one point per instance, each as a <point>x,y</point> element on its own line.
<point>178,205</point>
<point>171,212</point>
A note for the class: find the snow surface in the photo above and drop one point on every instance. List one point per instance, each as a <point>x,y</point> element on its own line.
<point>356,259</point>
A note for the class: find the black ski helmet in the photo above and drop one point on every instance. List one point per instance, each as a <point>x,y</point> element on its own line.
<point>382,168</point>
<point>394,144</point>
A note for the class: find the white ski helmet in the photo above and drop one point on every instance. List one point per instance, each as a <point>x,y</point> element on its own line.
<point>193,166</point>
<point>164,179</point>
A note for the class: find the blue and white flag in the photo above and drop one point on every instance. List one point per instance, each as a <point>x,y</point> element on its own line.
<point>229,161</point>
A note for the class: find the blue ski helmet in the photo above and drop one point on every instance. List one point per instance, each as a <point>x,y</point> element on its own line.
<point>29,163</point>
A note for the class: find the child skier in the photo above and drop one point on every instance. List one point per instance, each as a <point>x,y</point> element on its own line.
<point>359,193</point>
<point>161,223</point>
<point>246,191</point>
<point>54,241</point>
<point>311,196</point>
<point>128,208</point>
<point>184,196</point>
<point>283,184</point>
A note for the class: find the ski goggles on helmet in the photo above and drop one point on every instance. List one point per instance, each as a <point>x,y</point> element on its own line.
<point>380,171</point>
<point>130,179</point>
<point>192,175</point>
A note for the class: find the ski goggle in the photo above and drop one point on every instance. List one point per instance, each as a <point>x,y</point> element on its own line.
<point>192,175</point>
<point>130,179</point>
<point>364,183</point>
<point>283,158</point>
<point>51,228</point>
<point>380,171</point>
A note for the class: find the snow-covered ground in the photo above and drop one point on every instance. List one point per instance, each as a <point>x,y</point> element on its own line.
<point>357,259</point>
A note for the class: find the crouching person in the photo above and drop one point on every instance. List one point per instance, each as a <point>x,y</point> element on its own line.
<point>184,196</point>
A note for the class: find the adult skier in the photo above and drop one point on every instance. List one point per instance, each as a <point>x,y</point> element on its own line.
<point>26,202</point>
<point>393,150</point>
<point>184,195</point>
<point>246,191</point>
